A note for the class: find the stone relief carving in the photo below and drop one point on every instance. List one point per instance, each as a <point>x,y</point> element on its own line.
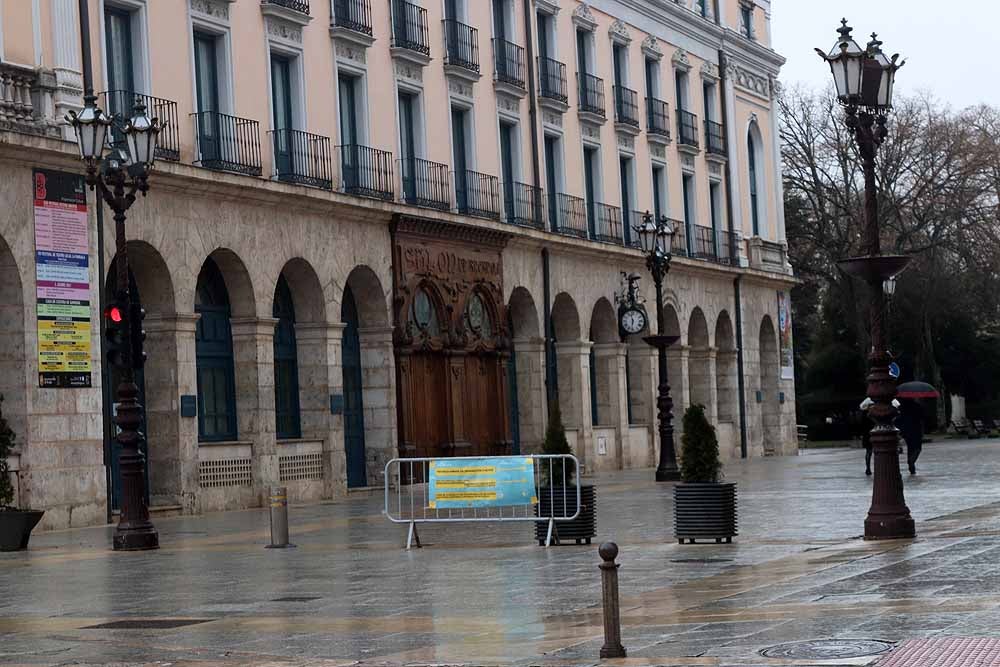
<point>680,60</point>
<point>554,119</point>
<point>410,72</point>
<point>459,88</point>
<point>215,8</point>
<point>626,142</point>
<point>752,82</point>
<point>715,169</point>
<point>652,48</point>
<point>282,30</point>
<point>619,32</point>
<point>590,132</point>
<point>354,54</point>
<point>583,16</point>
<point>687,161</point>
<point>709,70</point>
<point>658,151</point>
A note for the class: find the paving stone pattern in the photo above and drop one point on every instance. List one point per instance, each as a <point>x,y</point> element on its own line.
<point>488,595</point>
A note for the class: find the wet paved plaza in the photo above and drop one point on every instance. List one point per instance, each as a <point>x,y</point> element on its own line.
<point>488,595</point>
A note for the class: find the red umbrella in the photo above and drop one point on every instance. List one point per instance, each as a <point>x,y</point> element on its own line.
<point>916,390</point>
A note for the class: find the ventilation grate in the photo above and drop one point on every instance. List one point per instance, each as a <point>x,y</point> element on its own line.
<point>226,472</point>
<point>300,466</point>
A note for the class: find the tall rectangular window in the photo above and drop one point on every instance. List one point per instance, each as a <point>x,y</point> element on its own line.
<point>544,23</point>
<point>625,177</point>
<point>206,74</point>
<point>659,205</point>
<point>620,64</point>
<point>500,19</point>
<point>459,128</point>
<point>746,21</point>
<point>688,194</point>
<point>582,57</point>
<point>507,135</point>
<point>281,98</point>
<point>118,43</point>
<point>652,78</point>
<point>590,168</point>
<point>713,202</point>
<point>408,143</point>
<point>681,83</point>
<point>347,86</point>
<point>552,155</point>
<point>708,95</point>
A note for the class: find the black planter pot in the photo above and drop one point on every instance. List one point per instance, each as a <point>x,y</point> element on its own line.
<point>705,512</point>
<point>16,527</point>
<point>561,501</point>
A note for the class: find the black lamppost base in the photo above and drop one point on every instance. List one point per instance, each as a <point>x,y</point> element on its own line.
<point>141,538</point>
<point>668,475</point>
<point>890,528</point>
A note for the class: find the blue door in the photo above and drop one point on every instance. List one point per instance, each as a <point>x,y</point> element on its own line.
<point>354,417</point>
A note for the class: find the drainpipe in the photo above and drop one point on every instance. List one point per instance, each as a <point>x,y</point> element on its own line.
<point>735,257</point>
<point>536,170</point>
<point>88,91</point>
<point>551,377</point>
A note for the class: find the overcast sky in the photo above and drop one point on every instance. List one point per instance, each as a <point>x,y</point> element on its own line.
<point>949,46</point>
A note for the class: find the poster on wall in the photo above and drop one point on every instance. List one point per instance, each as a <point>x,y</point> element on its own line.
<point>785,337</point>
<point>62,279</point>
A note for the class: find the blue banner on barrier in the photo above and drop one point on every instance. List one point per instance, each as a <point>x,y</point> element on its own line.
<point>493,482</point>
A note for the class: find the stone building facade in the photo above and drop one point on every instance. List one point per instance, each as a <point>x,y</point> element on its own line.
<point>352,193</point>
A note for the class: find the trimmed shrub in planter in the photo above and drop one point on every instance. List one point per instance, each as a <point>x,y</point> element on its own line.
<point>15,525</point>
<point>557,496</point>
<point>704,507</point>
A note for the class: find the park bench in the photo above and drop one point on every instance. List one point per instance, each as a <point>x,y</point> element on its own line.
<point>961,427</point>
<point>981,428</point>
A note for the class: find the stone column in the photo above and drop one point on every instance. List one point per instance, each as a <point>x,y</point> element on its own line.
<point>378,378</point>
<point>775,174</point>
<point>321,375</point>
<point>532,411</point>
<point>574,392</point>
<point>253,360</point>
<point>612,397</point>
<point>643,387</point>
<point>67,65</point>
<point>680,387</point>
<point>171,372</point>
<point>734,141</point>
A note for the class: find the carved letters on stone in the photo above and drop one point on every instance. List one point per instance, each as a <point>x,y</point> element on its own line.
<point>619,33</point>
<point>215,8</point>
<point>652,48</point>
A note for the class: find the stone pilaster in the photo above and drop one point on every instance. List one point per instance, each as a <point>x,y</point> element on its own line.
<point>643,388</point>
<point>67,66</point>
<point>320,375</point>
<point>680,386</point>
<point>378,371</point>
<point>253,361</point>
<point>574,392</point>
<point>532,412</point>
<point>612,397</point>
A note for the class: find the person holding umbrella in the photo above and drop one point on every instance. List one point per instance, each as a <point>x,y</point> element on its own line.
<point>911,418</point>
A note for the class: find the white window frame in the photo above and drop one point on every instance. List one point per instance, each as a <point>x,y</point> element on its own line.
<point>360,76</point>
<point>297,88</point>
<point>664,188</point>
<point>517,156</point>
<point>219,28</point>
<point>653,93</point>
<point>139,19</point>
<point>560,166</point>
<point>552,34</point>
<point>419,125</point>
<point>509,19</point>
<point>598,172</point>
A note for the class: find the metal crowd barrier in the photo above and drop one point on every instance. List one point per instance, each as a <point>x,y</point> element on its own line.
<point>472,489</point>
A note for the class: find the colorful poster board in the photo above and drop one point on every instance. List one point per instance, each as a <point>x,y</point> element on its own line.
<point>62,279</point>
<point>489,482</point>
<point>785,337</point>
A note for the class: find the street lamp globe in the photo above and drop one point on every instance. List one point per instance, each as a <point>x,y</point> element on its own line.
<point>91,128</point>
<point>879,76</point>
<point>846,60</point>
<point>665,235</point>
<point>889,286</point>
<point>647,232</point>
<point>141,134</point>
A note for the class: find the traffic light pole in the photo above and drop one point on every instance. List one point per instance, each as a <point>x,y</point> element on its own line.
<point>134,531</point>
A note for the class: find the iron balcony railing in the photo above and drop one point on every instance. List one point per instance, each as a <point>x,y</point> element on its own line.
<point>724,247</point>
<point>571,216</point>
<point>687,128</point>
<point>353,15</point>
<point>409,27</point>
<point>657,117</point>
<point>704,243</point>
<point>636,220</point>
<point>461,45</point>
<point>552,80</point>
<point>296,5</point>
<point>228,143</point>
<point>626,106</point>
<point>120,105</point>
<point>608,223</point>
<point>591,89</point>
<point>508,61</point>
<point>715,138</point>
<point>524,205</point>
<point>303,158</point>
<point>366,171</point>
<point>477,194</point>
<point>678,244</point>
<point>425,183</point>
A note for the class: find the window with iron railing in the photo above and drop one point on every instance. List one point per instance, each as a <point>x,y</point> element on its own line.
<point>295,5</point>
<point>608,223</point>
<point>626,106</point>
<point>715,138</point>
<point>461,45</point>
<point>657,117</point>
<point>572,215</point>
<point>409,27</point>
<point>508,63</point>
<point>591,90</point>
<point>353,15</point>
<point>552,79</point>
<point>524,205</point>
<point>425,183</point>
<point>120,105</point>
<point>228,143</point>
<point>303,158</point>
<point>687,128</point>
<point>478,194</point>
<point>366,171</point>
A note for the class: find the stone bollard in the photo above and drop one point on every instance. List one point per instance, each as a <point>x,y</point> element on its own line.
<point>279,518</point>
<point>609,592</point>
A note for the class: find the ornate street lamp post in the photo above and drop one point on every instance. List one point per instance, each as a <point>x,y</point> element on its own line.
<point>118,177</point>
<point>655,238</point>
<point>864,80</point>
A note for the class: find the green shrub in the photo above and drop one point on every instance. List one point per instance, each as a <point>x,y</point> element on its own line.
<point>699,448</point>
<point>556,443</point>
<point>6,445</point>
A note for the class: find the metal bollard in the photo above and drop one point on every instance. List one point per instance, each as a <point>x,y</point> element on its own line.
<point>609,591</point>
<point>279,518</point>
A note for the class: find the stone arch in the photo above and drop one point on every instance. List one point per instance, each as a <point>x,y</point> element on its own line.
<point>770,372</point>
<point>368,374</point>
<point>523,315</point>
<point>565,319</point>
<point>526,373</point>
<point>13,353</point>
<point>239,285</point>
<point>725,369</point>
<point>603,323</point>
<point>306,290</point>
<point>700,363</point>
<point>369,297</point>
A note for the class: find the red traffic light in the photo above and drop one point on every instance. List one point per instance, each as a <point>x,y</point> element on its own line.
<point>114,313</point>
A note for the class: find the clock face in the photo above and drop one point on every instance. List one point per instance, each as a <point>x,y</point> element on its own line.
<point>633,321</point>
